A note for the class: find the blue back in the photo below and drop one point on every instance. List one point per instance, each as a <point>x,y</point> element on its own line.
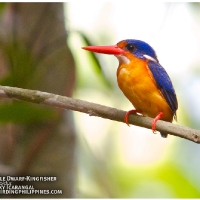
<point>164,84</point>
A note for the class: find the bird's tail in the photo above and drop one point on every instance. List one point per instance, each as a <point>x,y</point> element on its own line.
<point>164,135</point>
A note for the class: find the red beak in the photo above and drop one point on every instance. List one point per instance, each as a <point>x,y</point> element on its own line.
<point>115,50</point>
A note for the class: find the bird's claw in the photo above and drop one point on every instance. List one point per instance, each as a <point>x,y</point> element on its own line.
<point>155,120</point>
<point>128,113</point>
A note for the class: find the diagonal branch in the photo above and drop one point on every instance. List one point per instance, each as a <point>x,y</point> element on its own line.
<point>97,110</point>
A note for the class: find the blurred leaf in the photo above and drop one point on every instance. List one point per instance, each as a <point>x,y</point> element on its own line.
<point>22,112</point>
<point>178,181</point>
<point>8,80</point>
<point>2,6</point>
<point>94,58</point>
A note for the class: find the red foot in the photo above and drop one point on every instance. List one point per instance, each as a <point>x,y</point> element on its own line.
<point>128,113</point>
<point>155,120</point>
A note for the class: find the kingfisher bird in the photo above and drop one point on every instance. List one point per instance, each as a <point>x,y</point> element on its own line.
<point>143,80</point>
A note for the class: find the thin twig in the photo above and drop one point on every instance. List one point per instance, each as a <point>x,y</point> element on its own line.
<point>97,110</point>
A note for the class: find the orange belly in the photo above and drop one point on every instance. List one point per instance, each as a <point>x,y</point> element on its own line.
<point>137,83</point>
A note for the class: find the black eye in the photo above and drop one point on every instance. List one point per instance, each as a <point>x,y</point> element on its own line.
<point>130,47</point>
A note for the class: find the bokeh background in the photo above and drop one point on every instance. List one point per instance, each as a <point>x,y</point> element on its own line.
<point>40,48</point>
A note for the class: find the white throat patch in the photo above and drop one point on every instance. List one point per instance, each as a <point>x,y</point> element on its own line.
<point>122,59</point>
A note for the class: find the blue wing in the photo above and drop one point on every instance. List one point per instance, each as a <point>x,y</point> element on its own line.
<point>164,84</point>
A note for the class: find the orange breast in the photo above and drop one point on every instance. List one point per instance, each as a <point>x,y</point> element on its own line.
<point>137,83</point>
